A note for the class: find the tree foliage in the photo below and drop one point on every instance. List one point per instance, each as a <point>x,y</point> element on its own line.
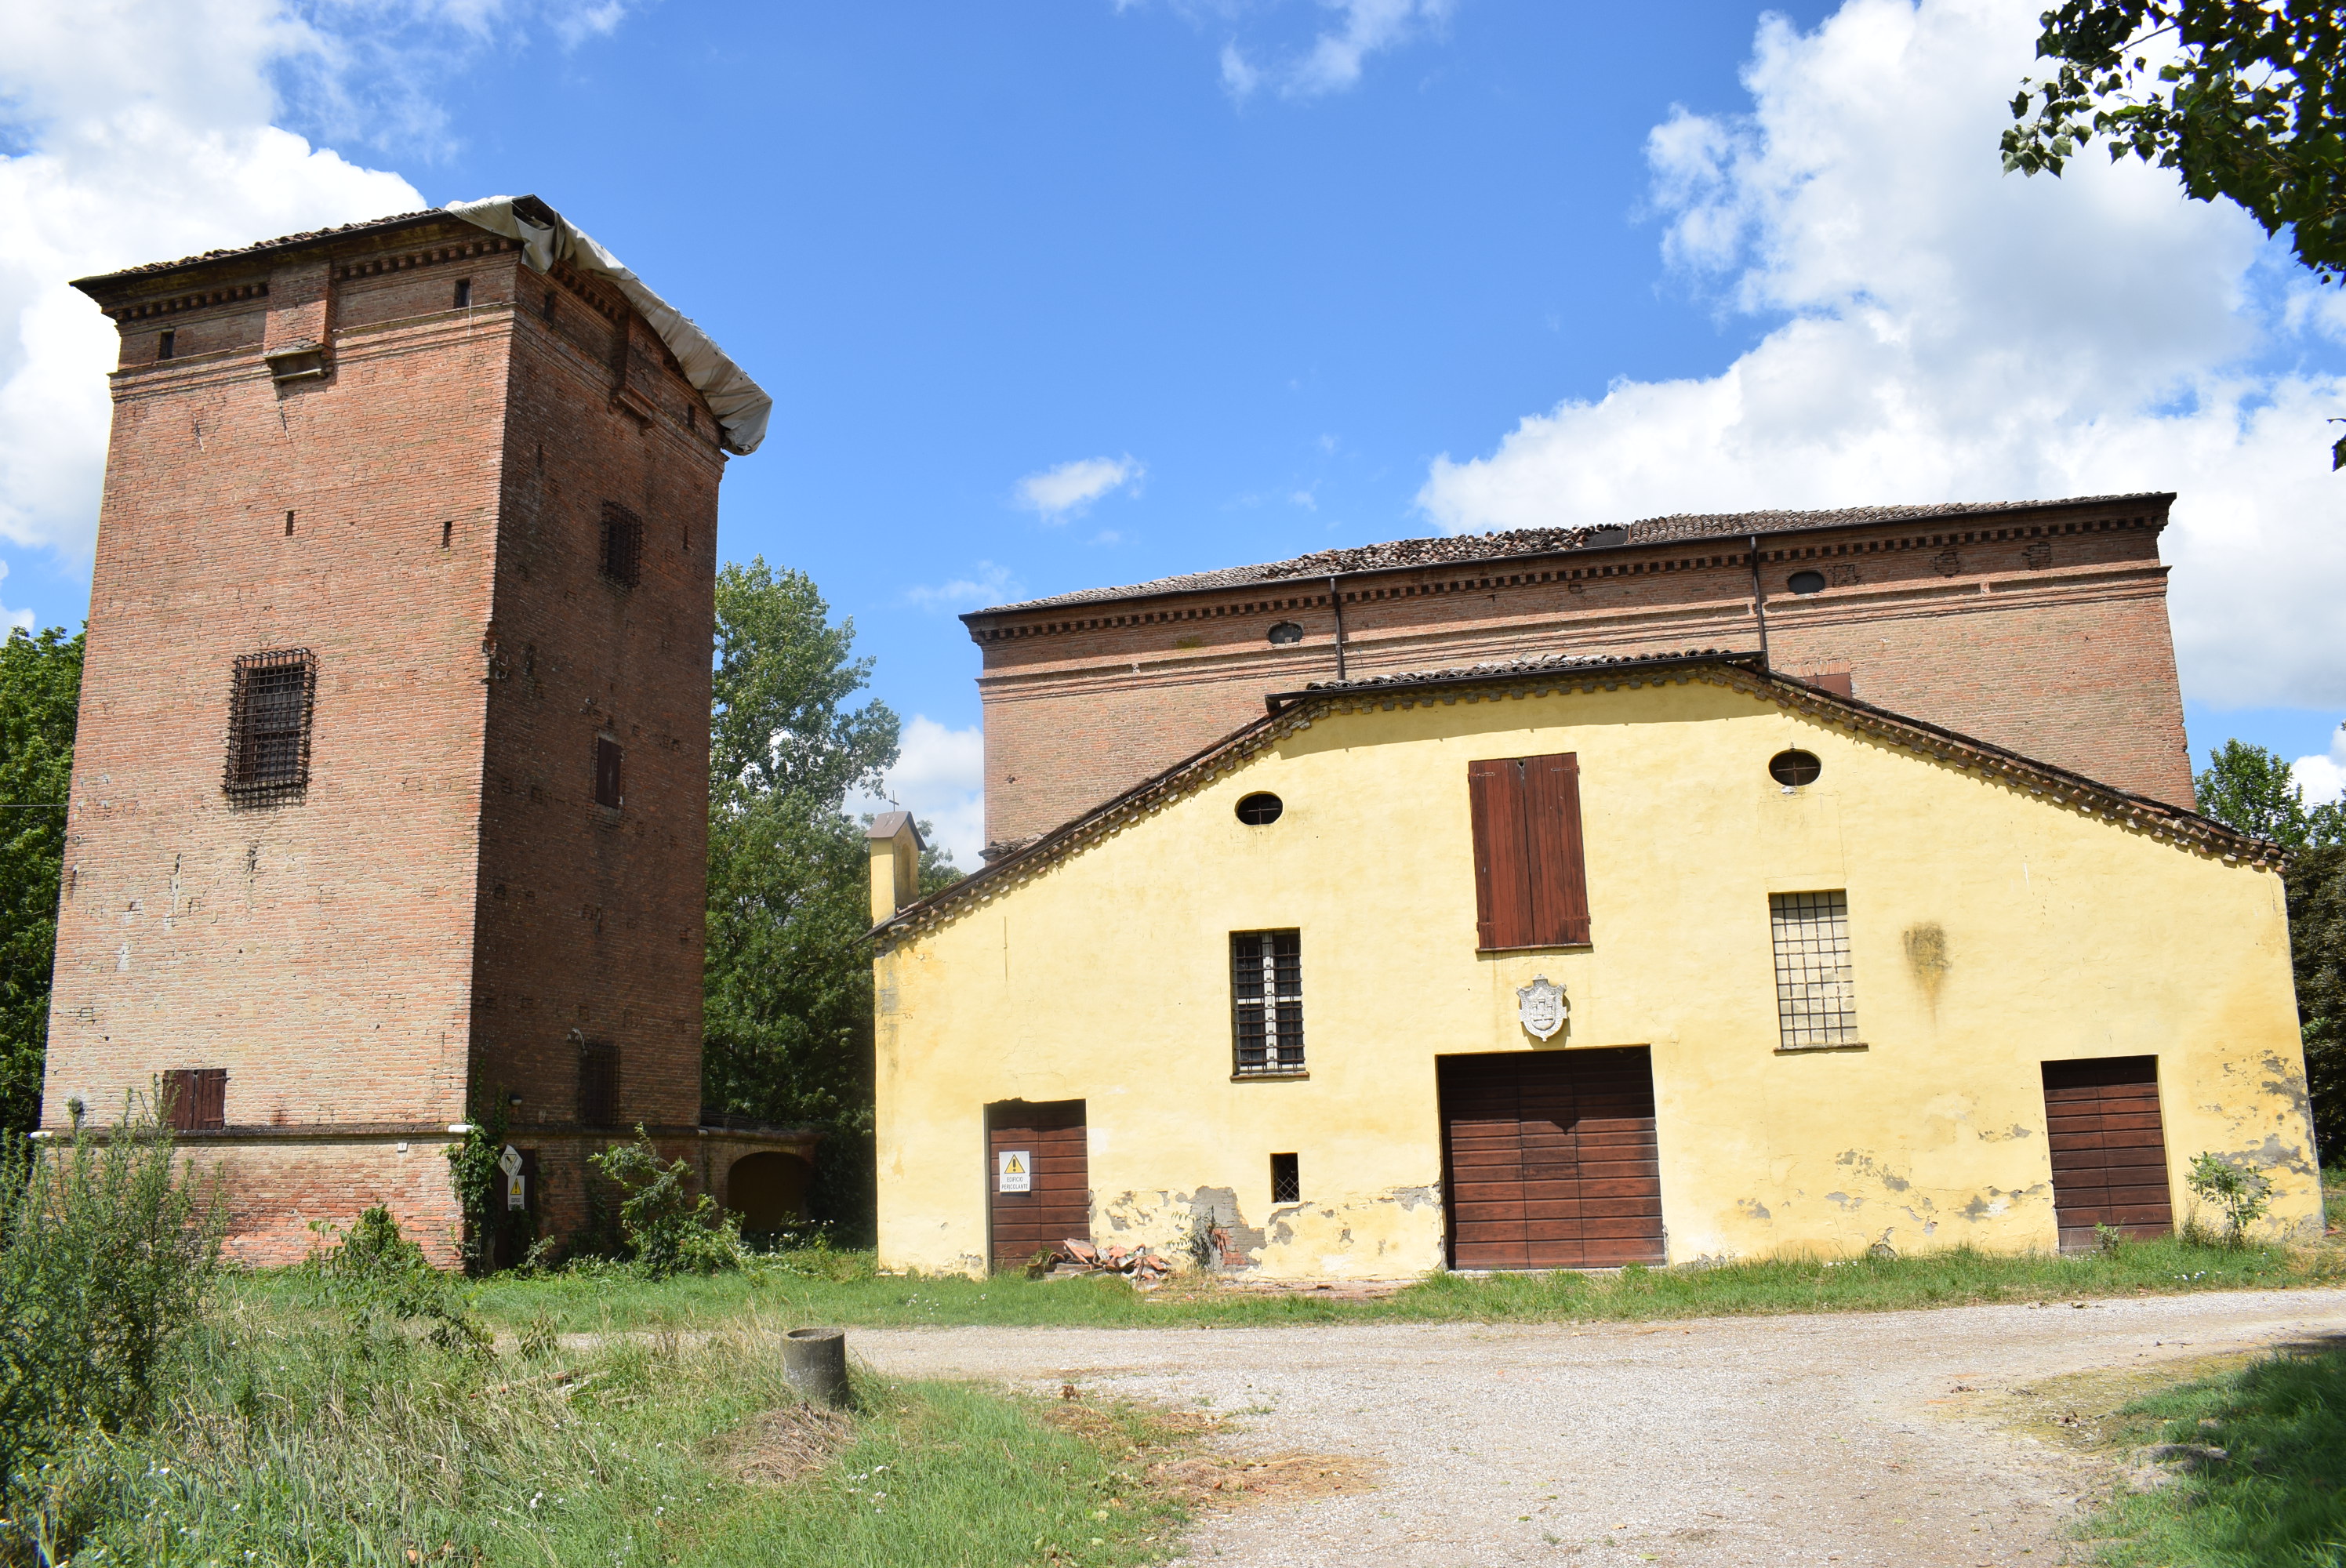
<point>788,982</point>
<point>2250,788</point>
<point>40,695</point>
<point>2242,98</point>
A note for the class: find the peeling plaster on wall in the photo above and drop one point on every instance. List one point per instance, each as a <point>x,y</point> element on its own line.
<point>1994,1202</point>
<point>1844,1202</point>
<point>1753,1208</point>
<point>2288,1083</point>
<point>2015,1131</point>
<point>1411,1198</point>
<point>1866,1164</point>
<point>2274,1154</point>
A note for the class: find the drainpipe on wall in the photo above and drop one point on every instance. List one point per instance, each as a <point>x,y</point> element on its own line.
<point>1760,603</point>
<point>1336,598</point>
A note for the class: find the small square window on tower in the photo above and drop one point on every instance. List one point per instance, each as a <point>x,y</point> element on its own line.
<point>269,725</point>
<point>623,545</point>
<point>607,757</point>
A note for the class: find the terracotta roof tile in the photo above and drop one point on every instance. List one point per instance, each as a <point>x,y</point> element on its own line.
<point>1458,549</point>
<point>283,241</point>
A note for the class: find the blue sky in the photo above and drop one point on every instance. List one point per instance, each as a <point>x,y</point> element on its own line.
<point>1051,295</point>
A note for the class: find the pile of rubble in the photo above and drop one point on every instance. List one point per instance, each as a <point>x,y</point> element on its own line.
<point>1072,1257</point>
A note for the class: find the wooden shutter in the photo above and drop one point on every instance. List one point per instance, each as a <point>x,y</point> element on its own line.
<point>607,771</point>
<point>1531,878</point>
<point>179,1099</point>
<point>195,1099</point>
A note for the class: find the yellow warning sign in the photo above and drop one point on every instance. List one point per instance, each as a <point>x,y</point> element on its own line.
<point>1015,1171</point>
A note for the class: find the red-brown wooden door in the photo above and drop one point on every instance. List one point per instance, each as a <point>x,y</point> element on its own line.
<point>2109,1153</point>
<point>1048,1140</point>
<point>1550,1160</point>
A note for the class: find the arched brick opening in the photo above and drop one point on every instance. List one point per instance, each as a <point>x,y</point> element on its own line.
<point>768,1190</point>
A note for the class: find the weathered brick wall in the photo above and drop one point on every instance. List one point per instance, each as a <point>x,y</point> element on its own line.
<point>445,897</point>
<point>592,918</point>
<point>2043,631</point>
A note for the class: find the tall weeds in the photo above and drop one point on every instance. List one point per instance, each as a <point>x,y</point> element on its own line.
<point>106,1254</point>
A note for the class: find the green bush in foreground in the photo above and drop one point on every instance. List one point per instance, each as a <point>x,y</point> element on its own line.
<point>2277,1501</point>
<point>105,1255</point>
<point>667,1227</point>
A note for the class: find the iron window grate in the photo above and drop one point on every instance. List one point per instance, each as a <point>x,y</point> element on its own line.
<point>269,725</point>
<point>623,545</point>
<point>1266,994</point>
<point>1816,1004</point>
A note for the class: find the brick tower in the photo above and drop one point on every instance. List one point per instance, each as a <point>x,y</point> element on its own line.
<point>391,784</point>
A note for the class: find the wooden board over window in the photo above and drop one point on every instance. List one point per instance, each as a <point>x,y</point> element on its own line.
<point>1047,1140</point>
<point>2109,1153</point>
<point>1531,878</point>
<point>1550,1159</point>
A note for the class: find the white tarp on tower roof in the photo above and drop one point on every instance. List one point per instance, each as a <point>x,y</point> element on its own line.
<point>741,405</point>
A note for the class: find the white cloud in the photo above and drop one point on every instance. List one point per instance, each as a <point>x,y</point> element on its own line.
<point>988,584</point>
<point>1950,333</point>
<point>1067,491</point>
<point>1334,63</point>
<point>151,130</point>
<point>148,136</point>
<point>940,778</point>
<point>1239,80</point>
<point>2321,777</point>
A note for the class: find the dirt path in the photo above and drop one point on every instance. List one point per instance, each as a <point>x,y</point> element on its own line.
<point>1844,1439</point>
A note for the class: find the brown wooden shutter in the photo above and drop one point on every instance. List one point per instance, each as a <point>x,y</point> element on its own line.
<point>1558,870</point>
<point>1502,913</point>
<point>211,1097</point>
<point>1531,878</point>
<point>179,1099</point>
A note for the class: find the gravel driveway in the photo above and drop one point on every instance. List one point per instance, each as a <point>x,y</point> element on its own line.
<point>1806,1440</point>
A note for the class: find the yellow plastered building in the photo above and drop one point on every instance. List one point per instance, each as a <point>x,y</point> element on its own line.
<point>1838,981</point>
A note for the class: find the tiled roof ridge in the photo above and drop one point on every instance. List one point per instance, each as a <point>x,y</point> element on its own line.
<point>1460,549</point>
<point>304,237</point>
<point>1296,710</point>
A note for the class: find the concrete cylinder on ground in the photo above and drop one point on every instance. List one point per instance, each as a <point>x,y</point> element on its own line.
<point>814,1364</point>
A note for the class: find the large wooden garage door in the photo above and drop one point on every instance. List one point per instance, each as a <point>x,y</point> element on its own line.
<point>1045,1142</point>
<point>2109,1156</point>
<point>1550,1159</point>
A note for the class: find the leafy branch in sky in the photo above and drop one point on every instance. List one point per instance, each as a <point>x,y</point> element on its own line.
<point>2242,98</point>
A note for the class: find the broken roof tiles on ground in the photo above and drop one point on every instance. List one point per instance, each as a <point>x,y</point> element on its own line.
<point>1461,548</point>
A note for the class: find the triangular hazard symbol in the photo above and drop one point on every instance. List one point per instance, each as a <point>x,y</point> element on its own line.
<point>1014,1167</point>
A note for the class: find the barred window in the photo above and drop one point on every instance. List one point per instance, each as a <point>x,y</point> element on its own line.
<point>623,545</point>
<point>1815,1002</point>
<point>1267,994</point>
<point>269,724</point>
<point>598,1083</point>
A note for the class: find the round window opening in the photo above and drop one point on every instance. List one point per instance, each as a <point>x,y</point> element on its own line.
<point>1790,769</point>
<point>1287,631</point>
<point>1259,810</point>
<point>1807,583</point>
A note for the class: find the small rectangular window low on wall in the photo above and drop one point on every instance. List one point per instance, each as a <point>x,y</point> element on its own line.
<point>598,1083</point>
<point>607,759</point>
<point>1816,1003</point>
<point>1267,1002</point>
<point>1286,1179</point>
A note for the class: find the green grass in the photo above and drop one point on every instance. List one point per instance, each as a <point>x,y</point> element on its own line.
<point>844,1289</point>
<point>293,1438</point>
<point>2277,1502</point>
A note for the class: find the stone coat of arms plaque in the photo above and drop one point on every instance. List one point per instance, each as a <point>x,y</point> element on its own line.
<point>1542,1007</point>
